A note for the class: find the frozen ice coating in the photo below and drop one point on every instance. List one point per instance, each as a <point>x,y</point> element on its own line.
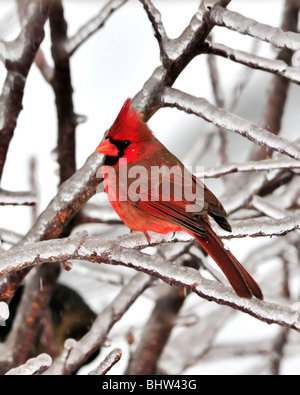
<point>219,117</point>
<point>32,366</point>
<point>112,358</point>
<point>4,311</point>
<point>278,67</point>
<point>263,227</point>
<point>250,166</point>
<point>92,26</point>
<point>239,23</point>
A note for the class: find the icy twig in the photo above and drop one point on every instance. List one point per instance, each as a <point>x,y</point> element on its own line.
<point>92,26</point>
<point>251,166</point>
<point>112,358</point>
<point>42,64</point>
<point>159,30</point>
<point>203,108</point>
<point>32,366</point>
<point>19,56</point>
<point>58,366</point>
<point>9,198</point>
<point>278,67</point>
<point>239,23</point>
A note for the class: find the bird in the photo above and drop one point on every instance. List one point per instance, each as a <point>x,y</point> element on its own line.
<point>130,150</point>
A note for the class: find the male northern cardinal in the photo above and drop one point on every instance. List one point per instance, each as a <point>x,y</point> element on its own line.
<point>130,147</point>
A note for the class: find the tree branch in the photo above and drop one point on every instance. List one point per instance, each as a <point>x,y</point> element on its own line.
<point>277,67</point>
<point>112,358</point>
<point>202,108</point>
<point>237,22</point>
<point>20,55</point>
<point>81,247</point>
<point>62,86</point>
<point>92,26</point>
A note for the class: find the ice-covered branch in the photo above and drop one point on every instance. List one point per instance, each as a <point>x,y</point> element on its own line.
<point>251,166</point>
<point>278,67</point>
<point>262,227</point>
<point>8,198</point>
<point>203,108</point>
<point>32,366</point>
<point>92,26</point>
<point>159,30</point>
<point>112,358</point>
<point>82,247</point>
<point>19,56</point>
<point>239,23</point>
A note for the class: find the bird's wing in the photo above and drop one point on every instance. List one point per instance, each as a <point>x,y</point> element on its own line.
<point>175,200</point>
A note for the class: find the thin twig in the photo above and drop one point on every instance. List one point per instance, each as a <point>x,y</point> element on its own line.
<point>112,358</point>
<point>92,26</point>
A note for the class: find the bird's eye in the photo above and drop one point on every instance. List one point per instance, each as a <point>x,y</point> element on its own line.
<point>126,143</point>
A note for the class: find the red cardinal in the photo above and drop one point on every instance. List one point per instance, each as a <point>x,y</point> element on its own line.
<point>131,148</point>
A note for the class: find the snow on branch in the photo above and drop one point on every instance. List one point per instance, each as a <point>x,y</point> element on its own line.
<point>203,108</point>
<point>239,23</point>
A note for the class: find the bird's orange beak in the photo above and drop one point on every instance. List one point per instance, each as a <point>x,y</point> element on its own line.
<point>107,148</point>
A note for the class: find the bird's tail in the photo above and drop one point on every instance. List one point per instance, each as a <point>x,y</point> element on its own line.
<point>241,281</point>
